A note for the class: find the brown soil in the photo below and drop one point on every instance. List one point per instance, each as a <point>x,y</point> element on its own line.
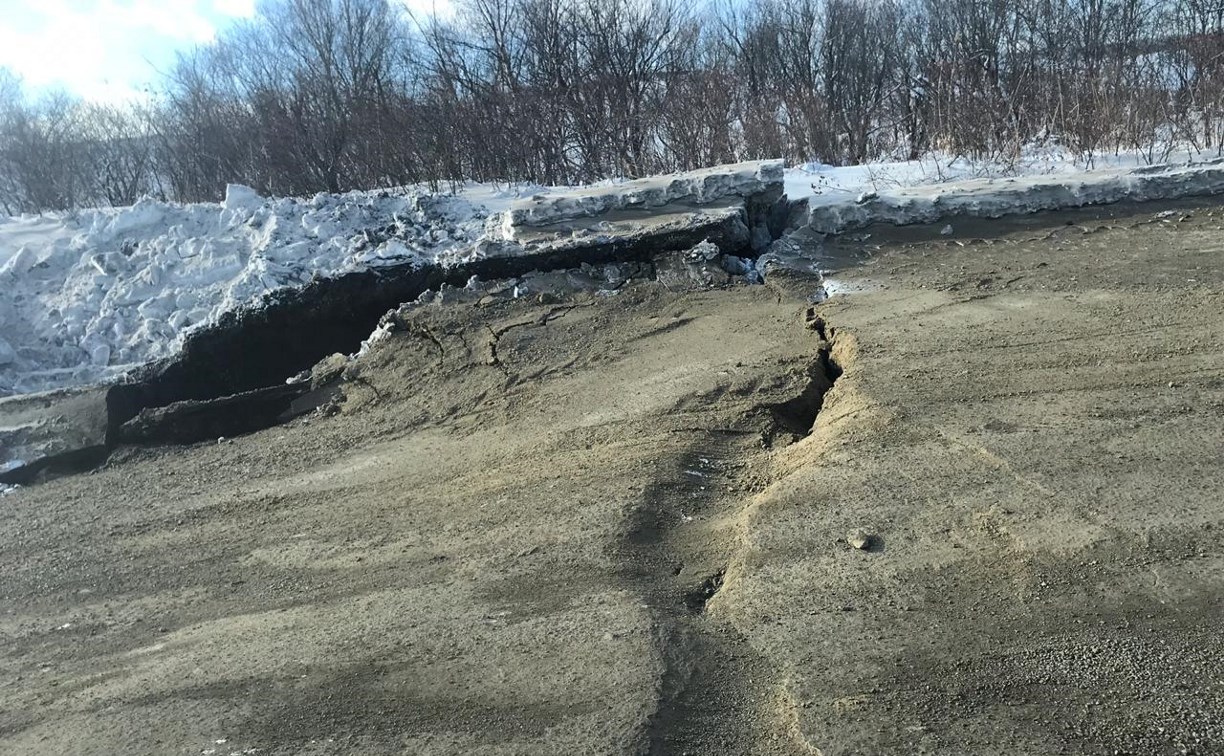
<point>598,526</point>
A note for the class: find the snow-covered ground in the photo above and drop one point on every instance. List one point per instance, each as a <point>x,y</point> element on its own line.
<point>913,194</point>
<point>828,185</point>
<point>87,296</point>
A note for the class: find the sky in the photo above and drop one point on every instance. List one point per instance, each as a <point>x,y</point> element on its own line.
<point>106,50</point>
<point>112,50</point>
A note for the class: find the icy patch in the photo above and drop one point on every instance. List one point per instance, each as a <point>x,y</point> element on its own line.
<point>835,287</point>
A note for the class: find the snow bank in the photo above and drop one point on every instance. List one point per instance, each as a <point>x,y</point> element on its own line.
<point>844,198</point>
<point>88,296</point>
<point>85,297</point>
<point>822,184</point>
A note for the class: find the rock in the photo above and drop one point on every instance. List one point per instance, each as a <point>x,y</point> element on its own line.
<point>696,268</point>
<point>738,266</point>
<point>62,430</point>
<point>946,230</point>
<point>859,539</point>
<point>618,274</point>
<point>327,370</point>
<point>704,251</point>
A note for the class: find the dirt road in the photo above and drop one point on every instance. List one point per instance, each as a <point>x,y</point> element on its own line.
<point>596,526</point>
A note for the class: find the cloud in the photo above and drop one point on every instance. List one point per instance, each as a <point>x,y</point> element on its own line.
<point>234,8</point>
<point>106,49</point>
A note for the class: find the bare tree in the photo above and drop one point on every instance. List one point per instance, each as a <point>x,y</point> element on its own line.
<point>331,95</point>
<point>119,151</point>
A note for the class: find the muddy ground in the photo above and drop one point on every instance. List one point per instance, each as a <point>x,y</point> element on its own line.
<point>599,526</point>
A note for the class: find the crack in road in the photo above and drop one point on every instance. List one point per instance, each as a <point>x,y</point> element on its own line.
<point>543,319</point>
<point>717,693</point>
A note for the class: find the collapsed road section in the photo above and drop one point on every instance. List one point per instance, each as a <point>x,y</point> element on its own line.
<point>292,329</point>
<point>235,375</point>
<point>727,221</point>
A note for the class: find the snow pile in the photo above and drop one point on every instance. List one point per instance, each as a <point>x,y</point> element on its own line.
<point>824,184</point>
<point>926,191</point>
<point>87,296</point>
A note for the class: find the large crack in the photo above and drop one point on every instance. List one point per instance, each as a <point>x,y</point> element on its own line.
<point>496,333</point>
<point>716,692</point>
<point>293,329</point>
<point>698,596</point>
<point>709,673</point>
<point>796,417</point>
